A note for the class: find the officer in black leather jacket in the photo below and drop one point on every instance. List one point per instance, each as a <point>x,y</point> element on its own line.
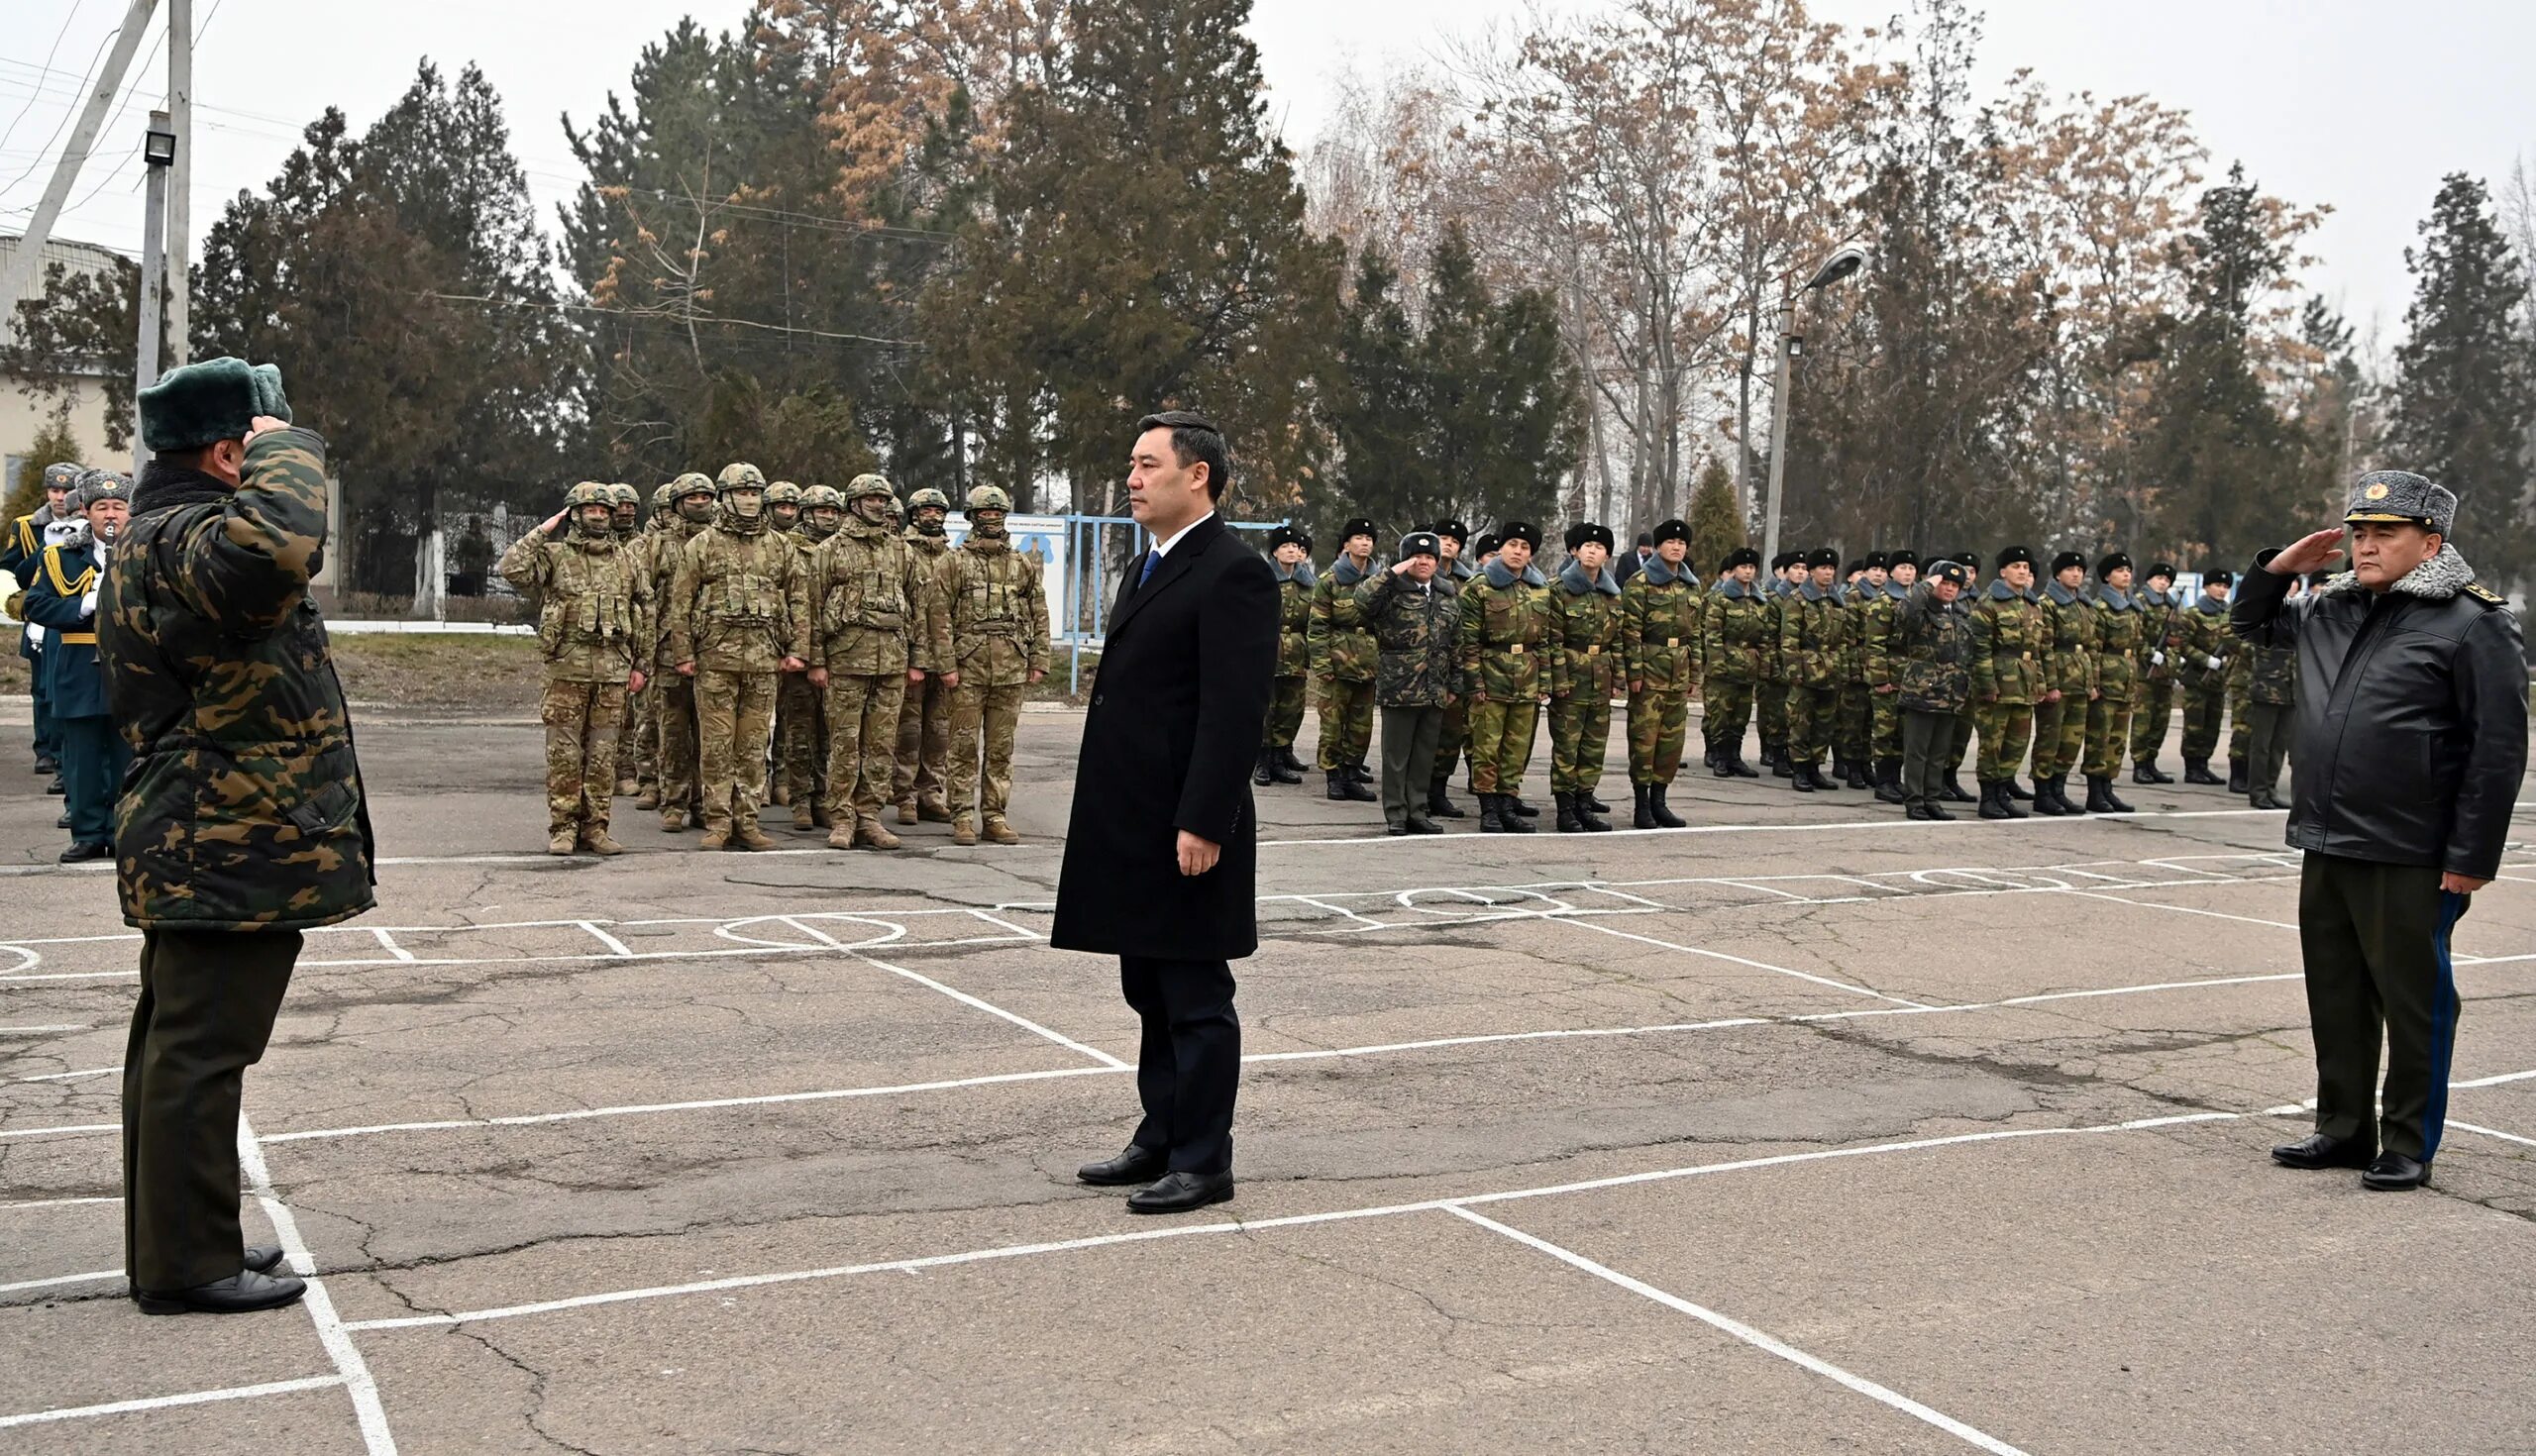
<point>2412,739</point>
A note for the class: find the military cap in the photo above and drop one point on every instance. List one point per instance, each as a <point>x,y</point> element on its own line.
<point>1359,527</point>
<point>1873,560</point>
<point>1742,555</point>
<point>2222,576</point>
<point>1948,570</point>
<point>1825,557</point>
<point>929,497</point>
<point>2068,559</point>
<point>694,482</point>
<point>100,485</point>
<point>740,476</point>
<point>783,492</point>
<point>815,496</point>
<point>589,492</point>
<point>661,498</point>
<point>1485,546</point>
<point>1970,561</point>
<point>1448,527</point>
<point>989,498</point>
<point>2401,496</point>
<point>217,399</point>
<point>2013,555</point>
<point>2113,561</point>
<point>1584,531</point>
<point>2162,568</point>
<point>1646,538</point>
<point>65,476</point>
<point>1903,557</point>
<point>1288,535</point>
<point>1676,529</point>
<point>1785,560</point>
<point>1420,543</point>
<point>869,483</point>
<point>1523,531</point>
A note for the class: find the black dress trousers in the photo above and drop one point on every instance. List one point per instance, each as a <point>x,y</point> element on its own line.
<point>1189,1066</point>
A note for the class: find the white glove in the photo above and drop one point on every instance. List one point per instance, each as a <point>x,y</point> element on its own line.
<point>35,637</point>
<point>2213,663</point>
<point>2157,660</point>
<point>88,603</point>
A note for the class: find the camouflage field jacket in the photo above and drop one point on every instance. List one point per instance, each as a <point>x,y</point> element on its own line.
<point>994,614</point>
<point>738,602</point>
<point>1341,649</point>
<point>1293,619</point>
<point>594,620</point>
<point>1591,616</point>
<point>1812,637</point>
<point>1932,653</point>
<point>1507,636</point>
<point>873,603</point>
<point>1661,612</point>
<point>1416,634</point>
<point>2121,643</point>
<point>2074,637</point>
<point>2201,634</point>
<point>1738,633</point>
<point>2011,647</point>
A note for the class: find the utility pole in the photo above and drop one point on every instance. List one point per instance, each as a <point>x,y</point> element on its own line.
<point>181,183</point>
<point>158,149</point>
<point>26,269</point>
<point>1778,428</point>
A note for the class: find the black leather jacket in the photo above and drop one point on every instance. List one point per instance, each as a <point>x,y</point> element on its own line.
<point>2412,716</point>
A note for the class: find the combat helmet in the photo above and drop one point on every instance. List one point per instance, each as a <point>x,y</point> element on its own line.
<point>660,499</point>
<point>783,492</point>
<point>868,483</point>
<point>814,497</point>
<point>989,498</point>
<point>622,495</point>
<point>583,496</point>
<point>928,496</point>
<point>694,482</point>
<point>739,476</point>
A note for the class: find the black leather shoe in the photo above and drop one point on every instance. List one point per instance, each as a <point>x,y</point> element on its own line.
<point>63,822</point>
<point>2393,1172</point>
<point>264,1258</point>
<point>1178,1192</point>
<point>82,852</point>
<point>47,763</point>
<point>55,787</point>
<point>240,1293</point>
<point>1139,1164</point>
<point>1420,824</point>
<point>1396,830</point>
<point>2320,1151</point>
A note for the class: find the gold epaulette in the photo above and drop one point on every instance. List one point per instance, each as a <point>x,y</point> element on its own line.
<point>2479,589</point>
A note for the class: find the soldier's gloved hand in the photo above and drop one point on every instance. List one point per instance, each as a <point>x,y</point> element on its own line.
<point>818,676</point>
<point>2213,661</point>
<point>2157,660</point>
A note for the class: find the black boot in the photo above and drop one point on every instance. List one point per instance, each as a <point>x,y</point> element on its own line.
<point>2157,775</point>
<point>1295,765</point>
<point>1993,803</point>
<point>1663,813</point>
<point>1800,777</point>
<point>2197,771</point>
<point>1516,806</point>
<point>1859,779</point>
<point>1939,811</point>
<point>1259,770</point>
<point>1587,803</point>
<point>1566,812</point>
<point>1888,781</point>
<point>1358,785</point>
<point>2099,793</point>
<point>2113,798</point>
<point>1282,768</point>
<point>1440,805</point>
<point>1490,821</point>
<point>2070,807</point>
<point>1338,784</point>
<point>1590,811</point>
<point>2235,774</point>
<point>1954,792</point>
<point>1510,811</point>
<point>1721,761</point>
<point>1641,812</point>
<point>1777,762</point>
<point>2014,790</point>
<point>1742,769</point>
<point>2008,801</point>
<point>2045,798</point>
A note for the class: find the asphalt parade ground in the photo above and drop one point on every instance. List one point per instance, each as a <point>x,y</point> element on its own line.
<point>1805,1129</point>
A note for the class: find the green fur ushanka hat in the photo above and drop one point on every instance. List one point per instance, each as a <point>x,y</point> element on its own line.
<point>216,400</point>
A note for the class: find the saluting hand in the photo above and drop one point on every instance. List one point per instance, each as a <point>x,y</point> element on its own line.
<point>2308,553</point>
<point>264,425</point>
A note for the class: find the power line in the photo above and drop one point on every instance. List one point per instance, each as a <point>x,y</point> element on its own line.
<point>67,112</point>
<point>58,36</point>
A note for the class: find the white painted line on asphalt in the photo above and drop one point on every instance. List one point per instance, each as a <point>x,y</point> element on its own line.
<point>2098,894</point>
<point>163,1402</point>
<point>69,1076</point>
<point>2508,1137</point>
<point>66,1128</point>
<point>962,996</point>
<point>2497,1080</point>
<point>1841,825</point>
<point>1743,961</point>
<point>614,946</point>
<point>331,1332</point>
<point>38,1030</point>
<point>91,1277</point>
<point>52,1203</point>
<point>1768,1344</point>
<point>387,943</point>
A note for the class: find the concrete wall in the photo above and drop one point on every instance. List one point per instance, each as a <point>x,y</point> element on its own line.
<point>22,416</point>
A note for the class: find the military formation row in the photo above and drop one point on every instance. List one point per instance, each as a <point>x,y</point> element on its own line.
<point>761,642</point>
<point>2046,672</point>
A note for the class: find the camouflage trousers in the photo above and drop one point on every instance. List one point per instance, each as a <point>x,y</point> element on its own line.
<point>1285,711</point>
<point>1853,731</point>
<point>1885,736</point>
<point>1501,744</point>
<point>1660,721</point>
<point>629,740</point>
<point>1346,723</point>
<point>2060,735</point>
<point>1770,705</point>
<point>2108,734</point>
<point>734,716</point>
<point>862,719</point>
<point>581,724</point>
<point>2149,721</point>
<point>983,722</point>
<point>1725,708</point>
<point>1811,714</point>
<point>2006,729</point>
<point>2203,710</point>
<point>2240,717</point>
<point>682,754</point>
<point>1580,731</point>
<point>924,742</point>
<point>647,737</point>
<point>1450,740</point>
<point>802,740</point>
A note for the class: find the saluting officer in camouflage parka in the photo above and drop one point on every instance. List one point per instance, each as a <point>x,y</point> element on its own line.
<point>875,601</point>
<point>2011,652</point>
<point>1932,657</point>
<point>1508,643</point>
<point>1585,601</point>
<point>2205,645</point>
<point>1290,550</point>
<point>2120,631</point>
<point>993,646</point>
<point>2160,654</point>
<point>1663,647</point>
<point>1454,565</point>
<point>739,619</point>
<point>2061,714</point>
<point>1415,615</point>
<point>924,717</point>
<point>1811,634</point>
<point>1343,663</point>
<point>593,626</point>
<point>1738,627</point>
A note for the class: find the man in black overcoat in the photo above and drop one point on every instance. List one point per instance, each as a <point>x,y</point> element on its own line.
<point>1161,865</point>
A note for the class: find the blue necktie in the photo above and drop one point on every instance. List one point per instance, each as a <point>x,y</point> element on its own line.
<point>1153,557</point>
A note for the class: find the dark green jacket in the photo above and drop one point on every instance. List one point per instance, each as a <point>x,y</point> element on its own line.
<point>1415,634</point>
<point>243,808</point>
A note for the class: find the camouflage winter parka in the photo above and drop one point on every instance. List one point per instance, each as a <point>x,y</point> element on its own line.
<point>1417,632</point>
<point>1508,638</point>
<point>1590,618</point>
<point>1660,637</point>
<point>1932,653</point>
<point>2011,647</point>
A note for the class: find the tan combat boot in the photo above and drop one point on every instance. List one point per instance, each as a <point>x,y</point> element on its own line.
<point>964,830</point>
<point>1000,832</point>
<point>868,832</point>
<point>778,793</point>
<point>625,787</point>
<point>648,799</point>
<point>716,836</point>
<point>841,837</point>
<point>906,812</point>
<point>673,821</point>
<point>933,809</point>
<point>751,837</point>
<point>560,842</point>
<point>806,815</point>
<point>819,816</point>
<point>594,839</point>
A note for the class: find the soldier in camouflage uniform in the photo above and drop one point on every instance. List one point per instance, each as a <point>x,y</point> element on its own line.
<point>1344,661</point>
<point>1769,702</point>
<point>2070,684</point>
<point>1871,613</point>
<point>2011,651</point>
<point>1662,649</point>
<point>2161,652</point>
<point>1292,551</point>
<point>801,707</point>
<point>1739,628</point>
<point>1932,668</point>
<point>1509,645</point>
<point>594,627</point>
<point>646,742</point>
<point>680,797</point>
<point>1812,632</point>
<point>873,602</point>
<point>2120,631</point>
<point>1455,567</point>
<point>739,620</point>
<point>991,644</point>
<point>1585,603</point>
<point>792,755</point>
<point>785,502</point>
<point>1954,792</point>
<point>924,718</point>
<point>240,823</point>
<point>2271,651</point>
<point>1853,719</point>
<point>2204,645</point>
<point>1413,614</point>
<point>625,504</point>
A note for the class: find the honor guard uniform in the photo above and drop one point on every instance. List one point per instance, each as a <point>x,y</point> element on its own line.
<point>61,597</point>
<point>1586,603</point>
<point>876,608</point>
<point>2120,629</point>
<point>993,646</point>
<point>2204,645</point>
<point>2160,661</point>
<point>1455,566</point>
<point>1811,632</point>
<point>1344,661</point>
<point>1931,663</point>
<point>1662,610</point>
<point>2011,653</point>
<point>1739,632</point>
<point>593,628</point>
<point>673,695</point>
<point>924,718</point>
<point>56,522</point>
<point>1509,640</point>
<point>1289,553</point>
<point>739,620</point>
<point>2070,683</point>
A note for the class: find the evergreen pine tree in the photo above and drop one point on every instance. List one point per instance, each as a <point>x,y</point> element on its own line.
<point>53,444</point>
<point>1717,527</point>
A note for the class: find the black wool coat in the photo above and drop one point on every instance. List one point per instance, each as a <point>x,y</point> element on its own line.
<point>1169,743</point>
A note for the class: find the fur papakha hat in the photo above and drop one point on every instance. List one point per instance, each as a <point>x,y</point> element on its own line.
<point>216,400</point>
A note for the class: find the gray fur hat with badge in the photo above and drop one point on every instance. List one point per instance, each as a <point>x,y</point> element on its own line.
<point>214,400</point>
<point>97,486</point>
<point>2402,496</point>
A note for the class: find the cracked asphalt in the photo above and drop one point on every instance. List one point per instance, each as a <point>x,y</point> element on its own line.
<point>1806,1131</point>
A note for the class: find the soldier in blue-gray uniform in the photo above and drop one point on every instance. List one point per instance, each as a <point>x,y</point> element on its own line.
<point>52,523</point>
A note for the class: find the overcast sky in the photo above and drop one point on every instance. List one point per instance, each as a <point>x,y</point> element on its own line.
<point>2358,105</point>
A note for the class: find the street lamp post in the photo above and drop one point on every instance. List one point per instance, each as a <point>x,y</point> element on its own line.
<point>1838,266</point>
<point>159,149</point>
